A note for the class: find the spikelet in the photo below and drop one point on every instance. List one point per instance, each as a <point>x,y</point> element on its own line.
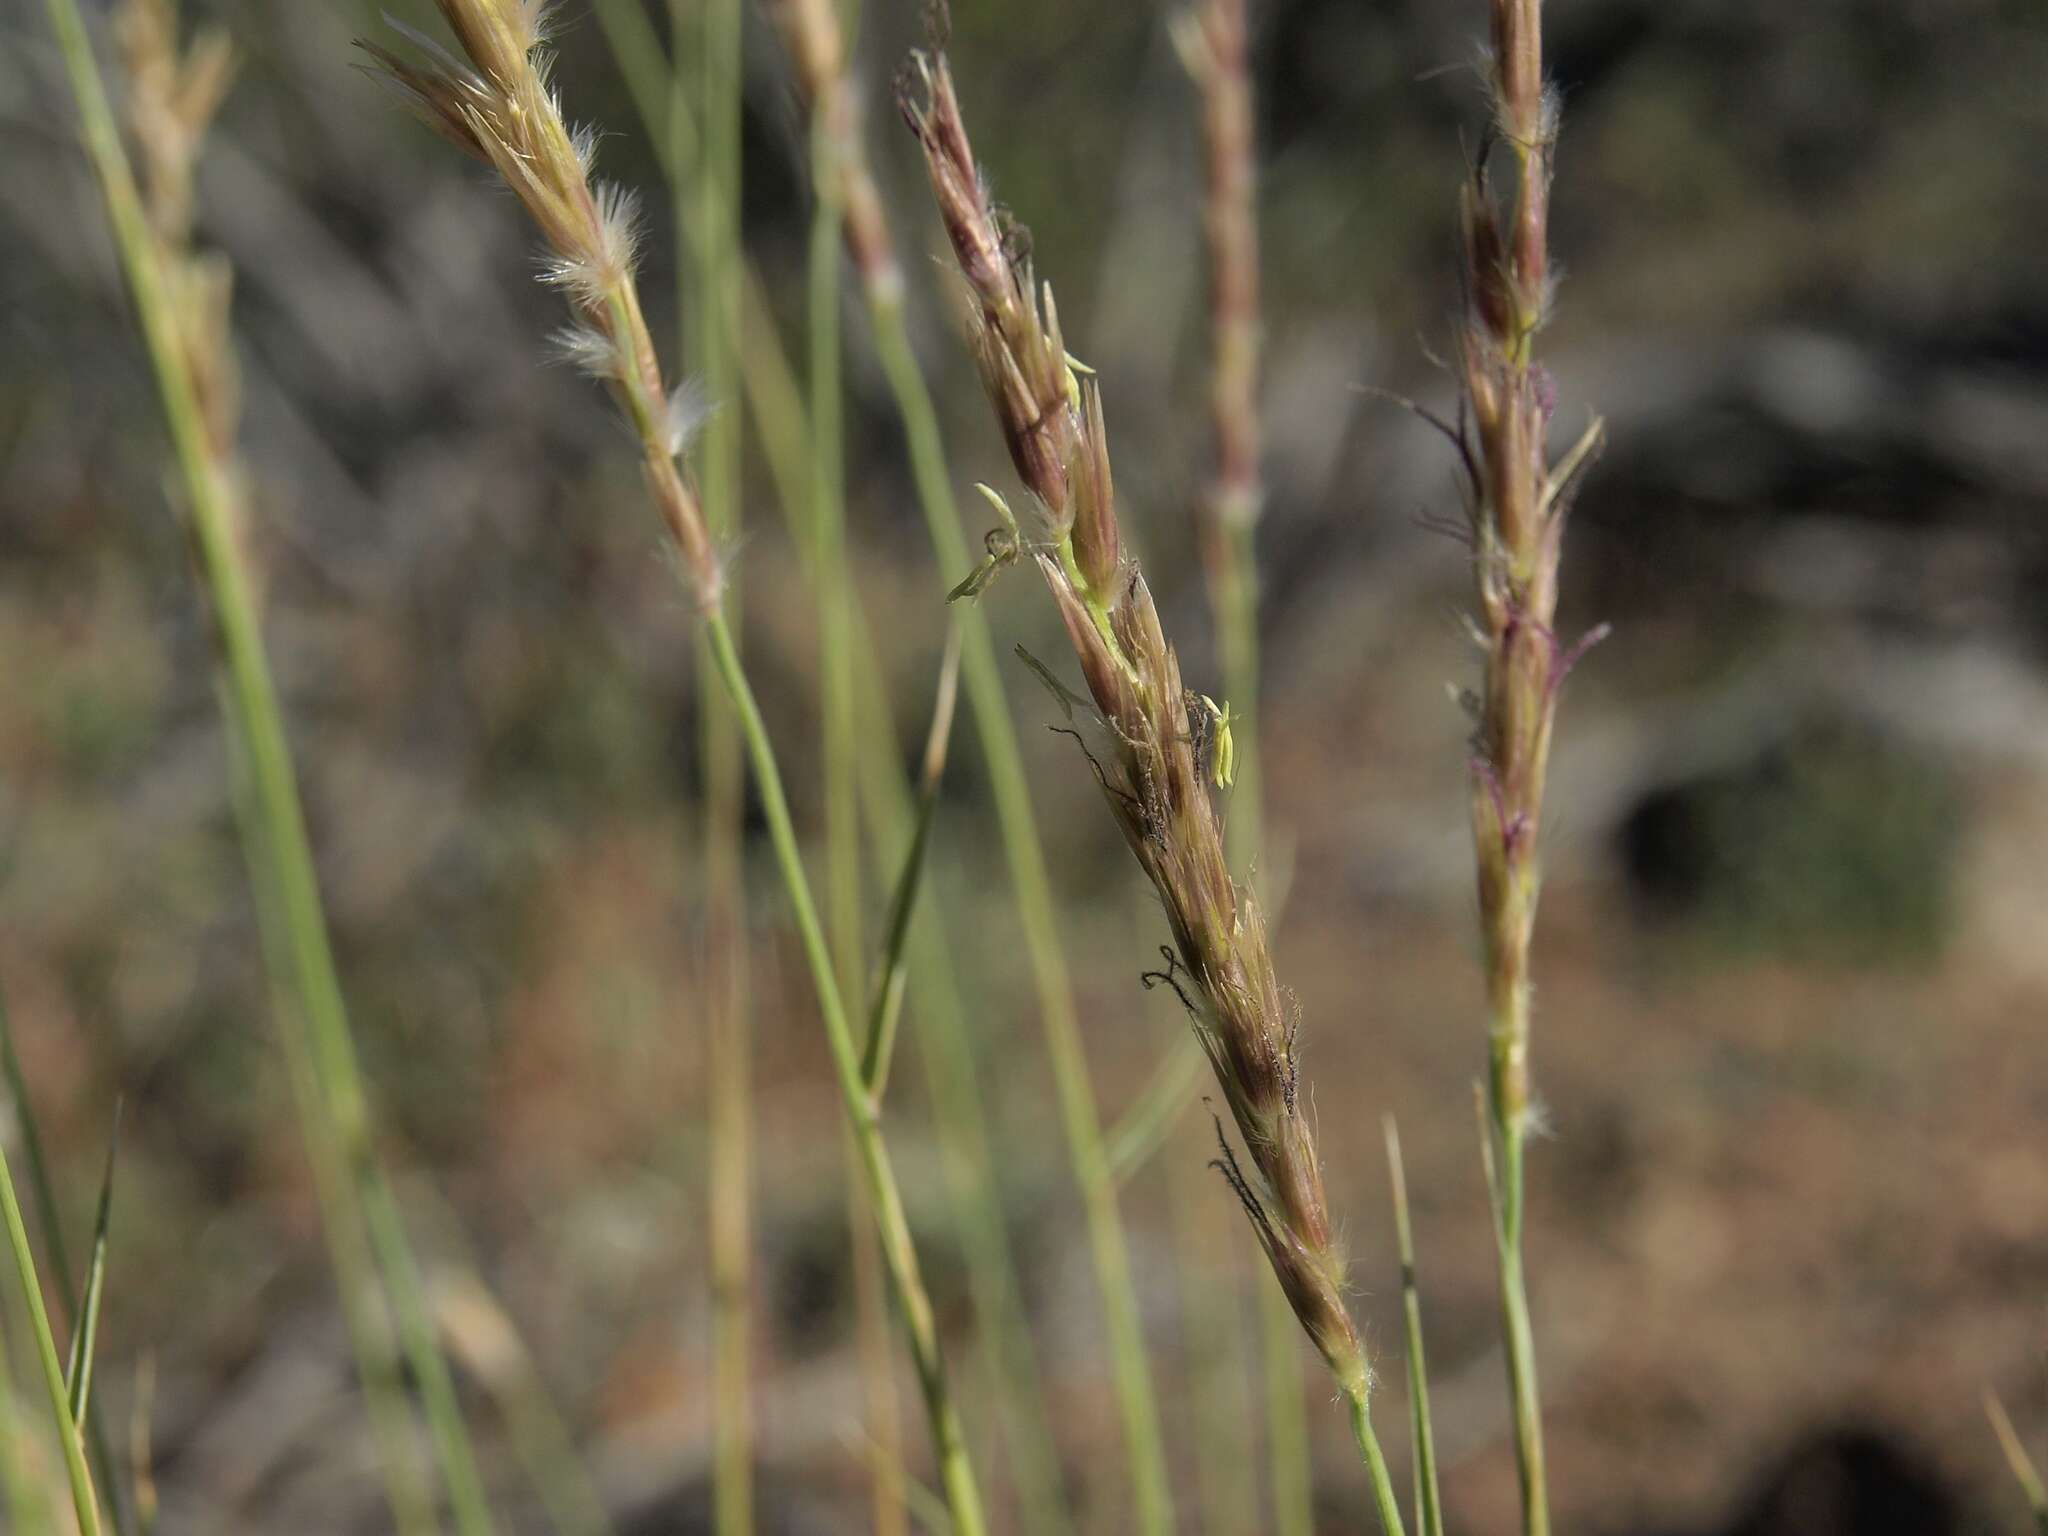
<point>495,102</point>
<point>1148,755</point>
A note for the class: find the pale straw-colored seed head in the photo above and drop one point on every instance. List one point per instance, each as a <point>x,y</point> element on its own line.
<point>495,102</point>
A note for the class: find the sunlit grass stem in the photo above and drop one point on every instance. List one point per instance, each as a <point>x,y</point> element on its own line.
<point>705,188</point>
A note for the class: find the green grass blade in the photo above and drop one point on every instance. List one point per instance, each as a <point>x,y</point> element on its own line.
<point>83,1499</point>
<point>84,1337</point>
<point>893,975</point>
<point>1429,1517</point>
<point>704,165</point>
<point>48,1220</point>
<point>777,411</point>
<point>949,1445</point>
<point>274,832</point>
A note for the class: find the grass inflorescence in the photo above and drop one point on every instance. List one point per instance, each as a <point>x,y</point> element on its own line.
<point>1148,748</point>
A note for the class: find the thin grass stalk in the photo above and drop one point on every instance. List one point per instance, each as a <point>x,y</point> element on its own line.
<point>956,1477</point>
<point>1214,43</point>
<point>84,1502</point>
<point>817,48</point>
<point>201,425</point>
<point>776,408</point>
<point>1031,885</point>
<point>973,1183</point>
<point>893,973</point>
<point>50,1220</point>
<point>1080,1119</point>
<point>1429,1516</point>
<point>499,108</point>
<point>891,977</point>
<point>710,180</point>
<point>1385,1503</point>
<point>877,1365</point>
<point>838,747</point>
<point>1144,747</point>
<point>1518,502</point>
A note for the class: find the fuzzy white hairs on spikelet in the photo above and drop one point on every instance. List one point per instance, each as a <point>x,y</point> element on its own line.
<point>689,407</point>
<point>590,276</point>
<point>587,350</point>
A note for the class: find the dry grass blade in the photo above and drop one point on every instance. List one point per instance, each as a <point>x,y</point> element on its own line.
<point>1147,753</point>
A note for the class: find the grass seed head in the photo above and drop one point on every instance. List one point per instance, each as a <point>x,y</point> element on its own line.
<point>1146,757</point>
<point>500,107</point>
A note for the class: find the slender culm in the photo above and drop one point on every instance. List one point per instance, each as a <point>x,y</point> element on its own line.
<point>498,107</point>
<point>182,308</point>
<point>1146,753</point>
<point>1518,501</point>
<point>817,46</point>
<point>707,204</point>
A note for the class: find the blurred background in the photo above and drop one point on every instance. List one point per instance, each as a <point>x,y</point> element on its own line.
<point>1792,1216</point>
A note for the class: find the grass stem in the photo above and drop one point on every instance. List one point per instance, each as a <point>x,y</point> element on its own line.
<point>1385,1502</point>
<point>956,1476</point>
<point>705,169</point>
<point>1429,1518</point>
<point>1079,1117</point>
<point>1214,41</point>
<point>274,836</point>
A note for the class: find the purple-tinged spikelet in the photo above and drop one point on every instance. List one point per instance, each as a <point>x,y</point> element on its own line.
<point>1147,759</point>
